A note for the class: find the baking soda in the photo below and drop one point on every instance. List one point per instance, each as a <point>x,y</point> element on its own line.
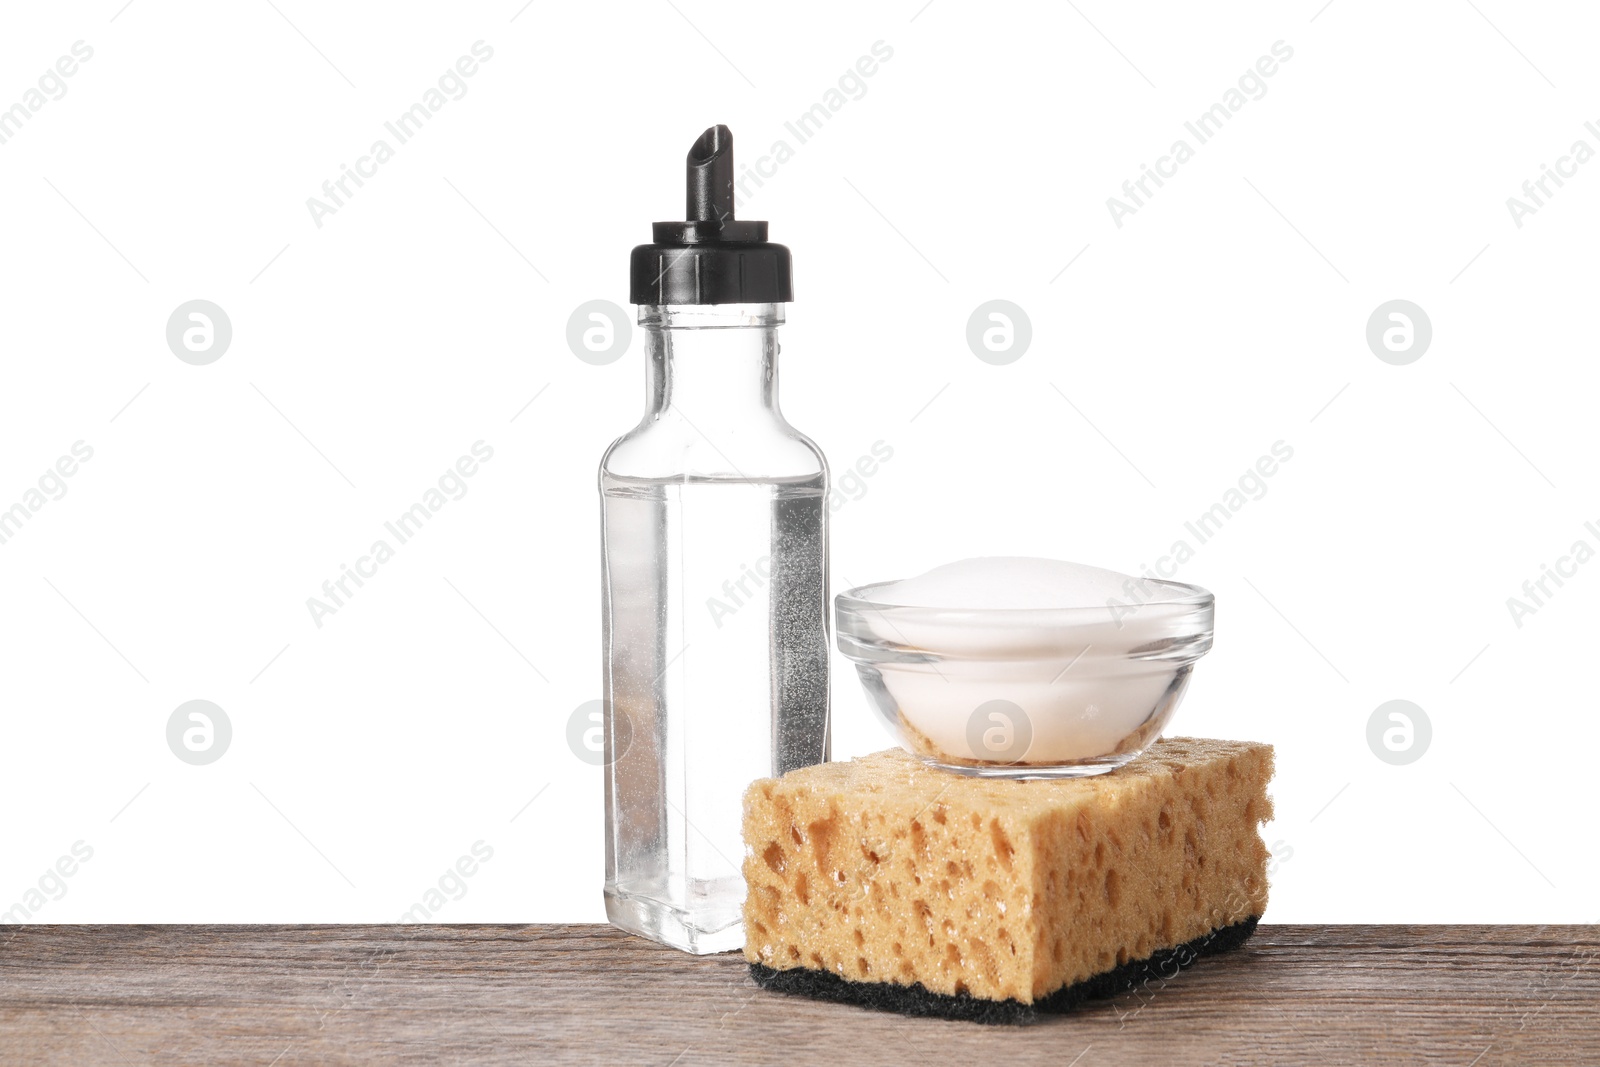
<point>1083,681</point>
<point>1007,582</point>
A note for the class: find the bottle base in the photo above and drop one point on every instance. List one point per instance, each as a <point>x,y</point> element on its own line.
<point>701,932</point>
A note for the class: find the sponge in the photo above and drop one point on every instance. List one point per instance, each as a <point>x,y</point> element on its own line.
<point>891,884</point>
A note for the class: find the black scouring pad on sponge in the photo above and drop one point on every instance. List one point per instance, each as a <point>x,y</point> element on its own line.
<point>915,1000</point>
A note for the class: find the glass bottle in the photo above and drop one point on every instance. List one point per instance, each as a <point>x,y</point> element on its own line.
<point>715,553</point>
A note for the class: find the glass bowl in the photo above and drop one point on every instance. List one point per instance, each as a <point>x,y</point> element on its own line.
<point>1027,692</point>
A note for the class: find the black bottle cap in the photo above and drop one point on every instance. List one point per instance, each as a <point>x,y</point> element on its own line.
<point>711,258</point>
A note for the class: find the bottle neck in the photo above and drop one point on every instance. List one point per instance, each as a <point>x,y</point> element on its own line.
<point>716,362</point>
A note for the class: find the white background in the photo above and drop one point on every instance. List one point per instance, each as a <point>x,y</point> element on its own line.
<point>1228,314</point>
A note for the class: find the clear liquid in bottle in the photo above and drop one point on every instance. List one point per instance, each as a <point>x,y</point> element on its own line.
<point>718,644</point>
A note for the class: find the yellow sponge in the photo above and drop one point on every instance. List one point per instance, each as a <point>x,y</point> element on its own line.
<point>884,870</point>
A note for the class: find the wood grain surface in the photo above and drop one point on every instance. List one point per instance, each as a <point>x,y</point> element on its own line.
<point>289,995</point>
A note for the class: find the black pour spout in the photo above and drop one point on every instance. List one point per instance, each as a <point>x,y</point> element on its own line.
<point>710,257</point>
<point>710,177</point>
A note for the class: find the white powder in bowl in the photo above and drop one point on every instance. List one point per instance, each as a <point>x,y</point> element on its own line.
<point>1080,671</point>
<point>1004,582</point>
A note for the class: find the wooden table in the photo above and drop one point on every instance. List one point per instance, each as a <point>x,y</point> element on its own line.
<point>287,995</point>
